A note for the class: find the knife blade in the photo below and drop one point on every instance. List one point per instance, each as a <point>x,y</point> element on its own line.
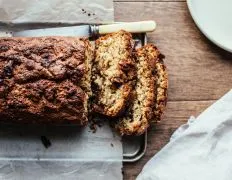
<point>89,30</point>
<point>80,31</point>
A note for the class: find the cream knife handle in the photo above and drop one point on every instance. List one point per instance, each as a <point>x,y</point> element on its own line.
<point>133,27</point>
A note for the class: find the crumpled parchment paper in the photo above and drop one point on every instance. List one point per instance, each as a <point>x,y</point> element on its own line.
<point>200,149</point>
<point>55,11</point>
<point>74,153</point>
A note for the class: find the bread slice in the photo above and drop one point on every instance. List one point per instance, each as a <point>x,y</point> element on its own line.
<point>161,89</point>
<point>149,95</point>
<point>113,73</point>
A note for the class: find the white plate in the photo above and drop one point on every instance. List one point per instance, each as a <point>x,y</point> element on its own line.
<point>214,19</point>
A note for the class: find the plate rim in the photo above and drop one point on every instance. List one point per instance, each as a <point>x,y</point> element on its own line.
<point>190,7</point>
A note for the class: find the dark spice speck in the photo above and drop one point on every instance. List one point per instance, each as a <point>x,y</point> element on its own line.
<point>46,142</point>
<point>4,48</point>
<point>7,71</point>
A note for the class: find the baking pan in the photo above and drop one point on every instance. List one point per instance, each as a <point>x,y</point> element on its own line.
<point>134,147</point>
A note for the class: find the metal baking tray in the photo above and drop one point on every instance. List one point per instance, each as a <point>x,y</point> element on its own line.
<point>134,147</point>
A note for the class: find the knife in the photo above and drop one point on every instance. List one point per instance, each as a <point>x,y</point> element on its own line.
<point>89,30</point>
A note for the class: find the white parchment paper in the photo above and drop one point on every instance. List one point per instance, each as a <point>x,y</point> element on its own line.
<point>65,11</point>
<point>74,153</point>
<point>198,150</point>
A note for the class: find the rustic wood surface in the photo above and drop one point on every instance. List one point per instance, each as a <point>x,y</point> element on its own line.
<point>199,71</point>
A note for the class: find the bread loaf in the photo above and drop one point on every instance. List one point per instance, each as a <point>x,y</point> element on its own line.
<point>61,79</point>
<point>45,79</point>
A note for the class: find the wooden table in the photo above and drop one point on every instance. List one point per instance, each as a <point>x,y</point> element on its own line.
<point>199,71</point>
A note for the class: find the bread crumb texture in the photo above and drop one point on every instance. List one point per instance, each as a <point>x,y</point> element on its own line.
<point>113,73</point>
<point>150,92</point>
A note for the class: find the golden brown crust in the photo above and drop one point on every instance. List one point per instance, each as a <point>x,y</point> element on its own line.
<point>45,101</point>
<point>43,78</point>
<point>150,90</point>
<point>113,73</point>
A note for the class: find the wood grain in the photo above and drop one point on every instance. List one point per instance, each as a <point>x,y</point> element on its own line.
<point>177,113</point>
<point>198,70</point>
<point>149,0</point>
